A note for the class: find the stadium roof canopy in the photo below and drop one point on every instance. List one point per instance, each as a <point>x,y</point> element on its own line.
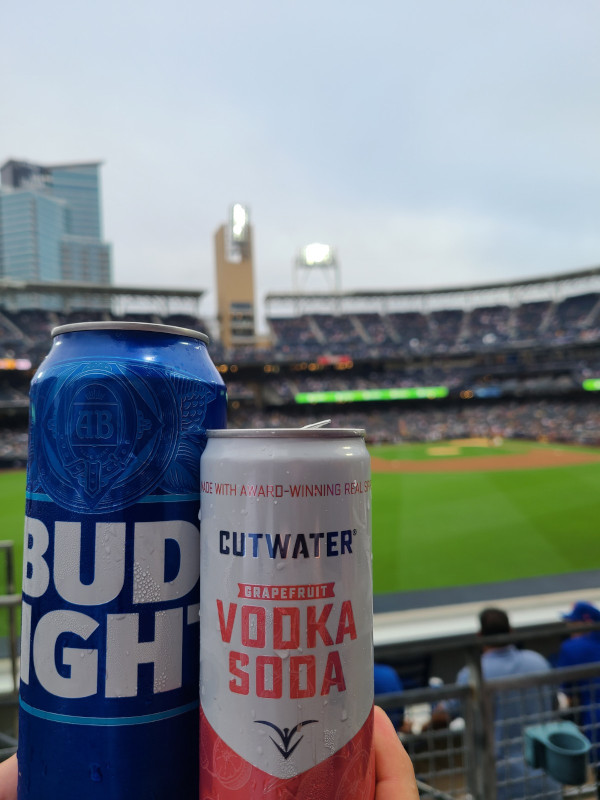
<point>69,287</point>
<point>70,295</point>
<point>548,287</point>
<point>62,165</point>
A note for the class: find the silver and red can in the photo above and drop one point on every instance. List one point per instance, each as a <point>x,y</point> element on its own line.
<point>286,616</point>
<point>109,648</point>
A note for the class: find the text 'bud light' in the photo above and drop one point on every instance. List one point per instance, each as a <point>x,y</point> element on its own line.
<point>109,646</point>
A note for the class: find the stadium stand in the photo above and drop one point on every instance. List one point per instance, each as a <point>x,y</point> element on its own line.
<point>530,320</point>
<point>446,329</point>
<point>545,420</point>
<point>488,326</point>
<point>574,316</point>
<point>513,368</point>
<point>411,330</point>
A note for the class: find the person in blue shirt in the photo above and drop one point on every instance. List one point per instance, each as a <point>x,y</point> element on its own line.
<point>584,648</point>
<point>387,680</point>
<point>513,710</point>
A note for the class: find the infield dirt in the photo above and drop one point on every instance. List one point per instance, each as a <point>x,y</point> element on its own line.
<point>534,459</point>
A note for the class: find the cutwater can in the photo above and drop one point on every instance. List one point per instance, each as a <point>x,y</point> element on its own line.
<point>286,616</point>
<point>109,648</point>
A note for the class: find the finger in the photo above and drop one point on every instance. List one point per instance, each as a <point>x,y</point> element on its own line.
<point>394,773</point>
<point>9,772</point>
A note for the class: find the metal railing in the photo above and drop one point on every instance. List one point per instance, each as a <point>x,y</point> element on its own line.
<point>476,749</point>
<point>10,601</point>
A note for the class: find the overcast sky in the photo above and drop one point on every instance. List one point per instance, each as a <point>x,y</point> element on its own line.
<point>430,142</point>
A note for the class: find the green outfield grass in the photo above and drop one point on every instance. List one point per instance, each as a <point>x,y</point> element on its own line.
<point>452,529</point>
<point>12,518</point>
<point>433,530</point>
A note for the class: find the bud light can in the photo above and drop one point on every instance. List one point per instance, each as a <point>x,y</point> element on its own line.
<point>286,616</point>
<point>110,645</point>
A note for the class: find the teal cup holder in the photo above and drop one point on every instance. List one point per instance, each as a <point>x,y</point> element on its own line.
<point>560,749</point>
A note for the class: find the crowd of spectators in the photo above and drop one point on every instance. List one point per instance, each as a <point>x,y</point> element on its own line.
<point>546,420</point>
<point>360,335</point>
<point>12,397</point>
<point>13,447</point>
<point>485,328</point>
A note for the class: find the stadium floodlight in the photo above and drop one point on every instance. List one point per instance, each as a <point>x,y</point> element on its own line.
<point>316,255</point>
<point>317,259</point>
<point>239,223</point>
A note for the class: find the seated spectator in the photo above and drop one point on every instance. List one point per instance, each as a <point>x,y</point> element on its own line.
<point>386,681</point>
<point>513,709</point>
<point>584,648</point>
<point>581,647</point>
<point>515,778</point>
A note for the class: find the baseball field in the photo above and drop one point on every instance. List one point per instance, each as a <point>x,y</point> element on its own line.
<point>455,513</point>
<point>476,511</point>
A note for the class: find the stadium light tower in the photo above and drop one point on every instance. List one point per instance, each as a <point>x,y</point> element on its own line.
<point>235,278</point>
<point>314,259</point>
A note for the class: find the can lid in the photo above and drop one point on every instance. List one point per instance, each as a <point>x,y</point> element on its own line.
<point>286,433</point>
<point>130,326</point>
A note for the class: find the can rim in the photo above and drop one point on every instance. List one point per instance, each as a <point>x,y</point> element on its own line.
<point>129,326</point>
<point>286,433</point>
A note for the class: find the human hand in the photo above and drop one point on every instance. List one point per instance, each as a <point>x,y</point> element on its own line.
<point>394,773</point>
<point>9,772</point>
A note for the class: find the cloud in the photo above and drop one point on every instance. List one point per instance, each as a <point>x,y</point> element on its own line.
<point>430,143</point>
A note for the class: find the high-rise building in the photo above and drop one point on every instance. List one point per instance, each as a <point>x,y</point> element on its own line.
<point>50,223</point>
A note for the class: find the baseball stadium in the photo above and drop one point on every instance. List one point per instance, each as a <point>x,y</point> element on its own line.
<point>483,427</point>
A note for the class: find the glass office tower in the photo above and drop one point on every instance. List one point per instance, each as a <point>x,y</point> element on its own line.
<point>50,223</point>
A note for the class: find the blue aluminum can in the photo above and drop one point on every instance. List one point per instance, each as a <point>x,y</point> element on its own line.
<point>110,640</point>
